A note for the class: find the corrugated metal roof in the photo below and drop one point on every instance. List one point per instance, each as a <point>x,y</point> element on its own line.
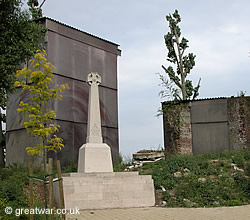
<point>202,99</point>
<point>51,19</point>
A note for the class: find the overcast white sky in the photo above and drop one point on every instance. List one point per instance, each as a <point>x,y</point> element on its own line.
<point>219,35</point>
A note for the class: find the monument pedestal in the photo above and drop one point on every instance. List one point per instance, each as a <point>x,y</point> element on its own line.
<point>96,186</point>
<point>94,157</point>
<point>106,190</point>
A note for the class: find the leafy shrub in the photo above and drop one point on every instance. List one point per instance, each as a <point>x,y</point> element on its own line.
<point>70,168</point>
<point>12,182</point>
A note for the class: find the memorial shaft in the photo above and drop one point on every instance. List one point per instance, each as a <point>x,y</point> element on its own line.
<point>94,156</point>
<point>94,132</point>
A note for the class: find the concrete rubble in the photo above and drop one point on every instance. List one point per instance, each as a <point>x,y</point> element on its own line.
<point>145,157</point>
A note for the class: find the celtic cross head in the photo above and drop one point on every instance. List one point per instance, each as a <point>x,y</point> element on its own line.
<point>94,77</point>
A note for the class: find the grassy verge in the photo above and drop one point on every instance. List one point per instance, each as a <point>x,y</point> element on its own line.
<point>208,180</point>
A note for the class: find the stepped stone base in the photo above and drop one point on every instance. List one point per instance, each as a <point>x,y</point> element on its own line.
<point>106,190</point>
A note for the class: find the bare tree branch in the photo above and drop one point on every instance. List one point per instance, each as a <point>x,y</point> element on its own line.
<point>196,89</point>
<point>42,3</point>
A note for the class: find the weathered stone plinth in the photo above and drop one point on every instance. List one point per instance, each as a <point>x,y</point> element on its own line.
<point>95,158</point>
<point>107,190</point>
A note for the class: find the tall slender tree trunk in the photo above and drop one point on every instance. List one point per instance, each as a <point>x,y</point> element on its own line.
<point>45,173</point>
<point>183,87</point>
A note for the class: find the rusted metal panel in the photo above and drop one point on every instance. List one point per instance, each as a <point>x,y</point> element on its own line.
<point>74,105</point>
<point>210,132</point>
<point>108,105</point>
<point>17,141</point>
<point>76,60</point>
<point>210,137</point>
<point>69,32</point>
<point>209,111</point>
<point>13,117</point>
<point>74,136</point>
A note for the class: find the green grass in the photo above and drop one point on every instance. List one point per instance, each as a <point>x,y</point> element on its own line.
<point>221,185</point>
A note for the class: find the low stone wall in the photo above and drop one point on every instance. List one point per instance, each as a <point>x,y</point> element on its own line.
<point>184,142</point>
<point>177,132</point>
<point>239,122</point>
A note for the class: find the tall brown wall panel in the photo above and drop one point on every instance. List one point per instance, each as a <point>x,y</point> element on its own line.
<point>74,54</point>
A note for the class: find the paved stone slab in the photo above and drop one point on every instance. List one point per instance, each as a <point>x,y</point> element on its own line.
<point>157,213</point>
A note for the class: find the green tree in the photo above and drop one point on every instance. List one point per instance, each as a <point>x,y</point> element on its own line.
<point>20,37</point>
<point>38,84</point>
<point>177,81</point>
<point>35,8</point>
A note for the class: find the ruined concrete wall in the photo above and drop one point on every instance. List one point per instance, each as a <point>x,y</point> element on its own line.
<point>170,136</point>
<point>239,122</point>
<point>184,143</point>
<point>177,129</point>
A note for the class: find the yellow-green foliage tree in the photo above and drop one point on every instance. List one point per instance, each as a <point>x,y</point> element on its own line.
<point>39,85</point>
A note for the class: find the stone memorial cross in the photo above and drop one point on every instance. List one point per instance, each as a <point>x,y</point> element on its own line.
<point>94,131</point>
<point>94,156</point>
